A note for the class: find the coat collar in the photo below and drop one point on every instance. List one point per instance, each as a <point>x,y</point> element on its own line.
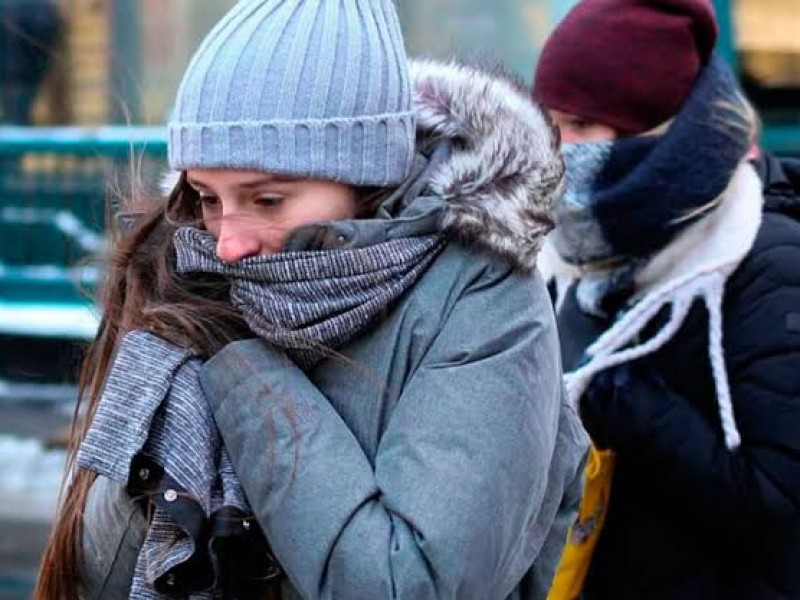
<point>504,173</point>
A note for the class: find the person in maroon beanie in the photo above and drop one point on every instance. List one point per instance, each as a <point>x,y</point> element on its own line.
<point>624,65</point>
<point>677,289</point>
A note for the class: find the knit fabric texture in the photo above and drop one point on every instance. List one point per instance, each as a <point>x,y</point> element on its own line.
<point>154,432</point>
<point>311,302</point>
<point>626,199</point>
<point>629,201</point>
<point>628,64</point>
<point>317,90</point>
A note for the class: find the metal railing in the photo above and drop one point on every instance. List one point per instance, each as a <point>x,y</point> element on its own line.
<point>57,186</point>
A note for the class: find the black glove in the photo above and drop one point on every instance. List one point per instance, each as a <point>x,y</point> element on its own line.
<point>623,405</point>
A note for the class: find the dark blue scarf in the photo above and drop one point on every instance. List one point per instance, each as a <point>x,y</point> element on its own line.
<point>626,199</point>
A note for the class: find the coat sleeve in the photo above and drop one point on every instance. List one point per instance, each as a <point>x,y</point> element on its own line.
<point>460,471</point>
<point>114,528</point>
<point>680,454</point>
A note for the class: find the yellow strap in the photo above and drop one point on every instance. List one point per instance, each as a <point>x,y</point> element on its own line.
<point>585,532</point>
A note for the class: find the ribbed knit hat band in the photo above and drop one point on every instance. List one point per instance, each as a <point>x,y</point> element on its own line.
<point>311,88</point>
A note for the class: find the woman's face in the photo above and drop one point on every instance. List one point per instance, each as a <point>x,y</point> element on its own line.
<point>575,129</point>
<point>250,213</point>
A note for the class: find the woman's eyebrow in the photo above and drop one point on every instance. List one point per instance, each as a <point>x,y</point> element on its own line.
<point>196,184</point>
<point>269,179</point>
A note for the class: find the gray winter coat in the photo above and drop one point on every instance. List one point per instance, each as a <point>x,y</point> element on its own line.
<point>436,457</point>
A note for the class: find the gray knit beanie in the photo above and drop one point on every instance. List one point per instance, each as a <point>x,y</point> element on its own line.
<point>313,88</point>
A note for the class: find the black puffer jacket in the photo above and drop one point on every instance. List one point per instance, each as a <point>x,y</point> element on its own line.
<point>688,519</point>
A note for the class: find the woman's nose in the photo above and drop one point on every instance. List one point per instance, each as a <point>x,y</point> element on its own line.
<point>237,239</point>
<point>568,137</point>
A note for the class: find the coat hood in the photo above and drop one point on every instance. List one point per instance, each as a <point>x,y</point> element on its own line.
<point>504,173</point>
<point>781,178</point>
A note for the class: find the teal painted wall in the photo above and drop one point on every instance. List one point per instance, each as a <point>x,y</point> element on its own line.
<point>509,31</point>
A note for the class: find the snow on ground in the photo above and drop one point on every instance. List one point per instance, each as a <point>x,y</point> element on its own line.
<point>30,476</point>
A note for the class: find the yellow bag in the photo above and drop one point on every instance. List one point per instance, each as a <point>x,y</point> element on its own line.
<point>584,533</point>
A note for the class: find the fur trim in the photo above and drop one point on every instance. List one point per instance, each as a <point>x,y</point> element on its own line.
<point>505,172</point>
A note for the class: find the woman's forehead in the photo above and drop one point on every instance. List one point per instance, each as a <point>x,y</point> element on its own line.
<point>229,178</point>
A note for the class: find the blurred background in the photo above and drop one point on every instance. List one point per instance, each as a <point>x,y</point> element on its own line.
<point>85,86</point>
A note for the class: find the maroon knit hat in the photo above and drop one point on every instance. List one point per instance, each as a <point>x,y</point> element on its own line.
<point>628,64</point>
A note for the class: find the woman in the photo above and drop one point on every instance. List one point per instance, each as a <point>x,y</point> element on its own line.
<point>678,286</point>
<point>397,428</point>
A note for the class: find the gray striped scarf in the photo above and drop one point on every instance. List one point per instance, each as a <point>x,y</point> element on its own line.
<point>154,433</point>
<point>312,302</point>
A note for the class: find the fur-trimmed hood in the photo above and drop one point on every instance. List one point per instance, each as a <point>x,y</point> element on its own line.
<point>504,172</point>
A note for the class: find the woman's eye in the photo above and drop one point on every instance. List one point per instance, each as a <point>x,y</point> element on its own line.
<point>269,201</point>
<point>209,201</point>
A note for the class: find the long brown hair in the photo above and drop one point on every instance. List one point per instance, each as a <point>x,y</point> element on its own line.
<point>141,289</point>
